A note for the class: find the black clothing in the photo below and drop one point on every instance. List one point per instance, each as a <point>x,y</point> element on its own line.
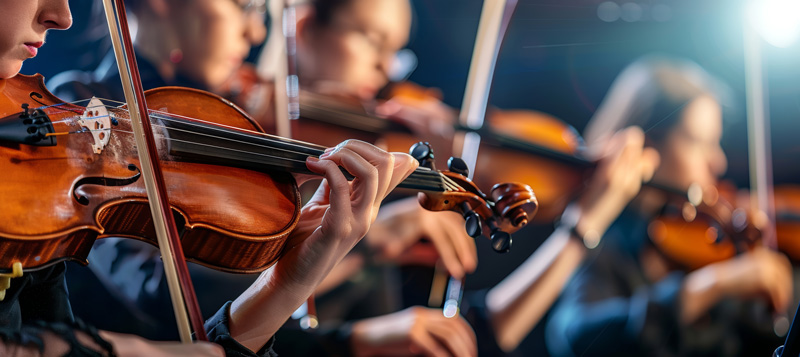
<point>611,308</point>
<point>40,298</point>
<point>36,296</point>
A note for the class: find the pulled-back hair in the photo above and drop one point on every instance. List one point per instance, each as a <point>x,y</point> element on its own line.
<point>651,93</point>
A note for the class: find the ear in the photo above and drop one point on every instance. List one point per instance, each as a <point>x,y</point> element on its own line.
<point>159,7</point>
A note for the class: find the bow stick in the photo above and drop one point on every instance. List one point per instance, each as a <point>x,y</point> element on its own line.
<point>493,25</point>
<point>178,279</point>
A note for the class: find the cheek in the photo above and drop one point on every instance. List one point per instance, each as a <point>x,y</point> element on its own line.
<point>10,60</point>
<point>691,167</point>
<point>342,62</point>
<point>10,55</point>
<point>206,51</point>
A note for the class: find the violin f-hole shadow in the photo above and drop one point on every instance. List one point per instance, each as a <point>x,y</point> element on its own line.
<point>104,181</point>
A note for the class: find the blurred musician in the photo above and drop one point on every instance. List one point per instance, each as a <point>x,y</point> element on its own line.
<point>629,298</point>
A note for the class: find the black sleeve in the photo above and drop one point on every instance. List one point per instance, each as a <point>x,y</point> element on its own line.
<point>218,331</point>
<point>604,309</point>
<point>475,312</point>
<point>45,297</point>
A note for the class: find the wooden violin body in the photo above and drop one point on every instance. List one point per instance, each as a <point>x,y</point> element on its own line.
<point>57,199</point>
<point>73,176</point>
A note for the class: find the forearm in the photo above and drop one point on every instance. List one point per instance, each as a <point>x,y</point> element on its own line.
<point>262,309</point>
<point>518,303</point>
<point>258,313</point>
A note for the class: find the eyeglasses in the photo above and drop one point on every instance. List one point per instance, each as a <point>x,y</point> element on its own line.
<point>252,6</point>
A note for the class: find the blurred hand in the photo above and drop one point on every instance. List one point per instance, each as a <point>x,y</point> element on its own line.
<point>624,164</point>
<point>400,225</point>
<point>412,332</point>
<point>425,117</point>
<point>761,273</point>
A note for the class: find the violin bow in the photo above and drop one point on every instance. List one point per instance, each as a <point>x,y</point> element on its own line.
<point>762,194</point>
<point>280,58</point>
<point>493,25</point>
<point>758,136</point>
<point>287,100</point>
<point>178,279</point>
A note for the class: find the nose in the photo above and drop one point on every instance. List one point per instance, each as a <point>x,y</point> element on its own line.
<point>55,14</point>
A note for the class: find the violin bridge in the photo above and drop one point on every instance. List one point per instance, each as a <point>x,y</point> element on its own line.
<point>97,120</point>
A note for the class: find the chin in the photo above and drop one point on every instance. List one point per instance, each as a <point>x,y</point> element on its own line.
<point>9,69</point>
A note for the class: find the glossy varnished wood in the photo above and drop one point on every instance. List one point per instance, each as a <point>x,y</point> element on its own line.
<point>233,219</point>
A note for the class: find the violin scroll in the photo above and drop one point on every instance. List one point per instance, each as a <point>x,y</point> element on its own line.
<point>509,207</point>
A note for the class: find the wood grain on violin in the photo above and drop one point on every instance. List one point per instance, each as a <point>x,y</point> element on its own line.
<point>72,177</point>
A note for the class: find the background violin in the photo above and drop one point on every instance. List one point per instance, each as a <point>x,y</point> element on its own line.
<point>210,146</point>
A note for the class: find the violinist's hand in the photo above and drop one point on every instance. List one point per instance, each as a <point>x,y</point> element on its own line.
<point>335,219</point>
<point>340,213</point>
<point>402,224</point>
<point>412,332</point>
<point>760,273</point>
<point>624,165</point>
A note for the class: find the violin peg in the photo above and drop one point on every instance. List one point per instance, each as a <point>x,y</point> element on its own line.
<point>472,224</point>
<point>501,241</point>
<point>457,165</point>
<point>423,152</point>
<point>472,221</point>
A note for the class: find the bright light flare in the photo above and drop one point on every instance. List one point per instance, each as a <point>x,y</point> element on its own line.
<point>778,21</point>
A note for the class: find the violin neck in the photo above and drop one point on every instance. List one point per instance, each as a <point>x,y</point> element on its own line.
<point>227,146</point>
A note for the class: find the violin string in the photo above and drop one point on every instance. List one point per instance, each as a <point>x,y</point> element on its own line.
<point>160,117</point>
<point>425,176</point>
<point>447,185</point>
<point>451,183</point>
<point>169,117</point>
<point>218,147</point>
<point>423,180</point>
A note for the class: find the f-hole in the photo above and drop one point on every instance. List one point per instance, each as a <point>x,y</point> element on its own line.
<point>104,181</point>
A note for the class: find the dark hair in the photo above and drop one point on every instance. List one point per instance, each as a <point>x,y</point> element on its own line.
<point>325,10</point>
<point>651,93</point>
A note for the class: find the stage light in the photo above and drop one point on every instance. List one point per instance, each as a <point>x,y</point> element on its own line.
<point>777,21</point>
<point>609,11</point>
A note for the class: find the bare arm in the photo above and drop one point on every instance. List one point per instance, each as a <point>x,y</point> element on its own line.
<point>518,303</point>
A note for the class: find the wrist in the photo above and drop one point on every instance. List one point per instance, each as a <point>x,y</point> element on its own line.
<point>581,226</point>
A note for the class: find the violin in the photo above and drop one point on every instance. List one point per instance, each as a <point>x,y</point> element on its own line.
<point>703,228</point>
<point>73,176</point>
<point>715,229</point>
<point>327,119</point>
<point>787,215</point>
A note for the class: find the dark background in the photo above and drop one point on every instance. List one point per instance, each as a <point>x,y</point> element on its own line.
<point>559,57</point>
